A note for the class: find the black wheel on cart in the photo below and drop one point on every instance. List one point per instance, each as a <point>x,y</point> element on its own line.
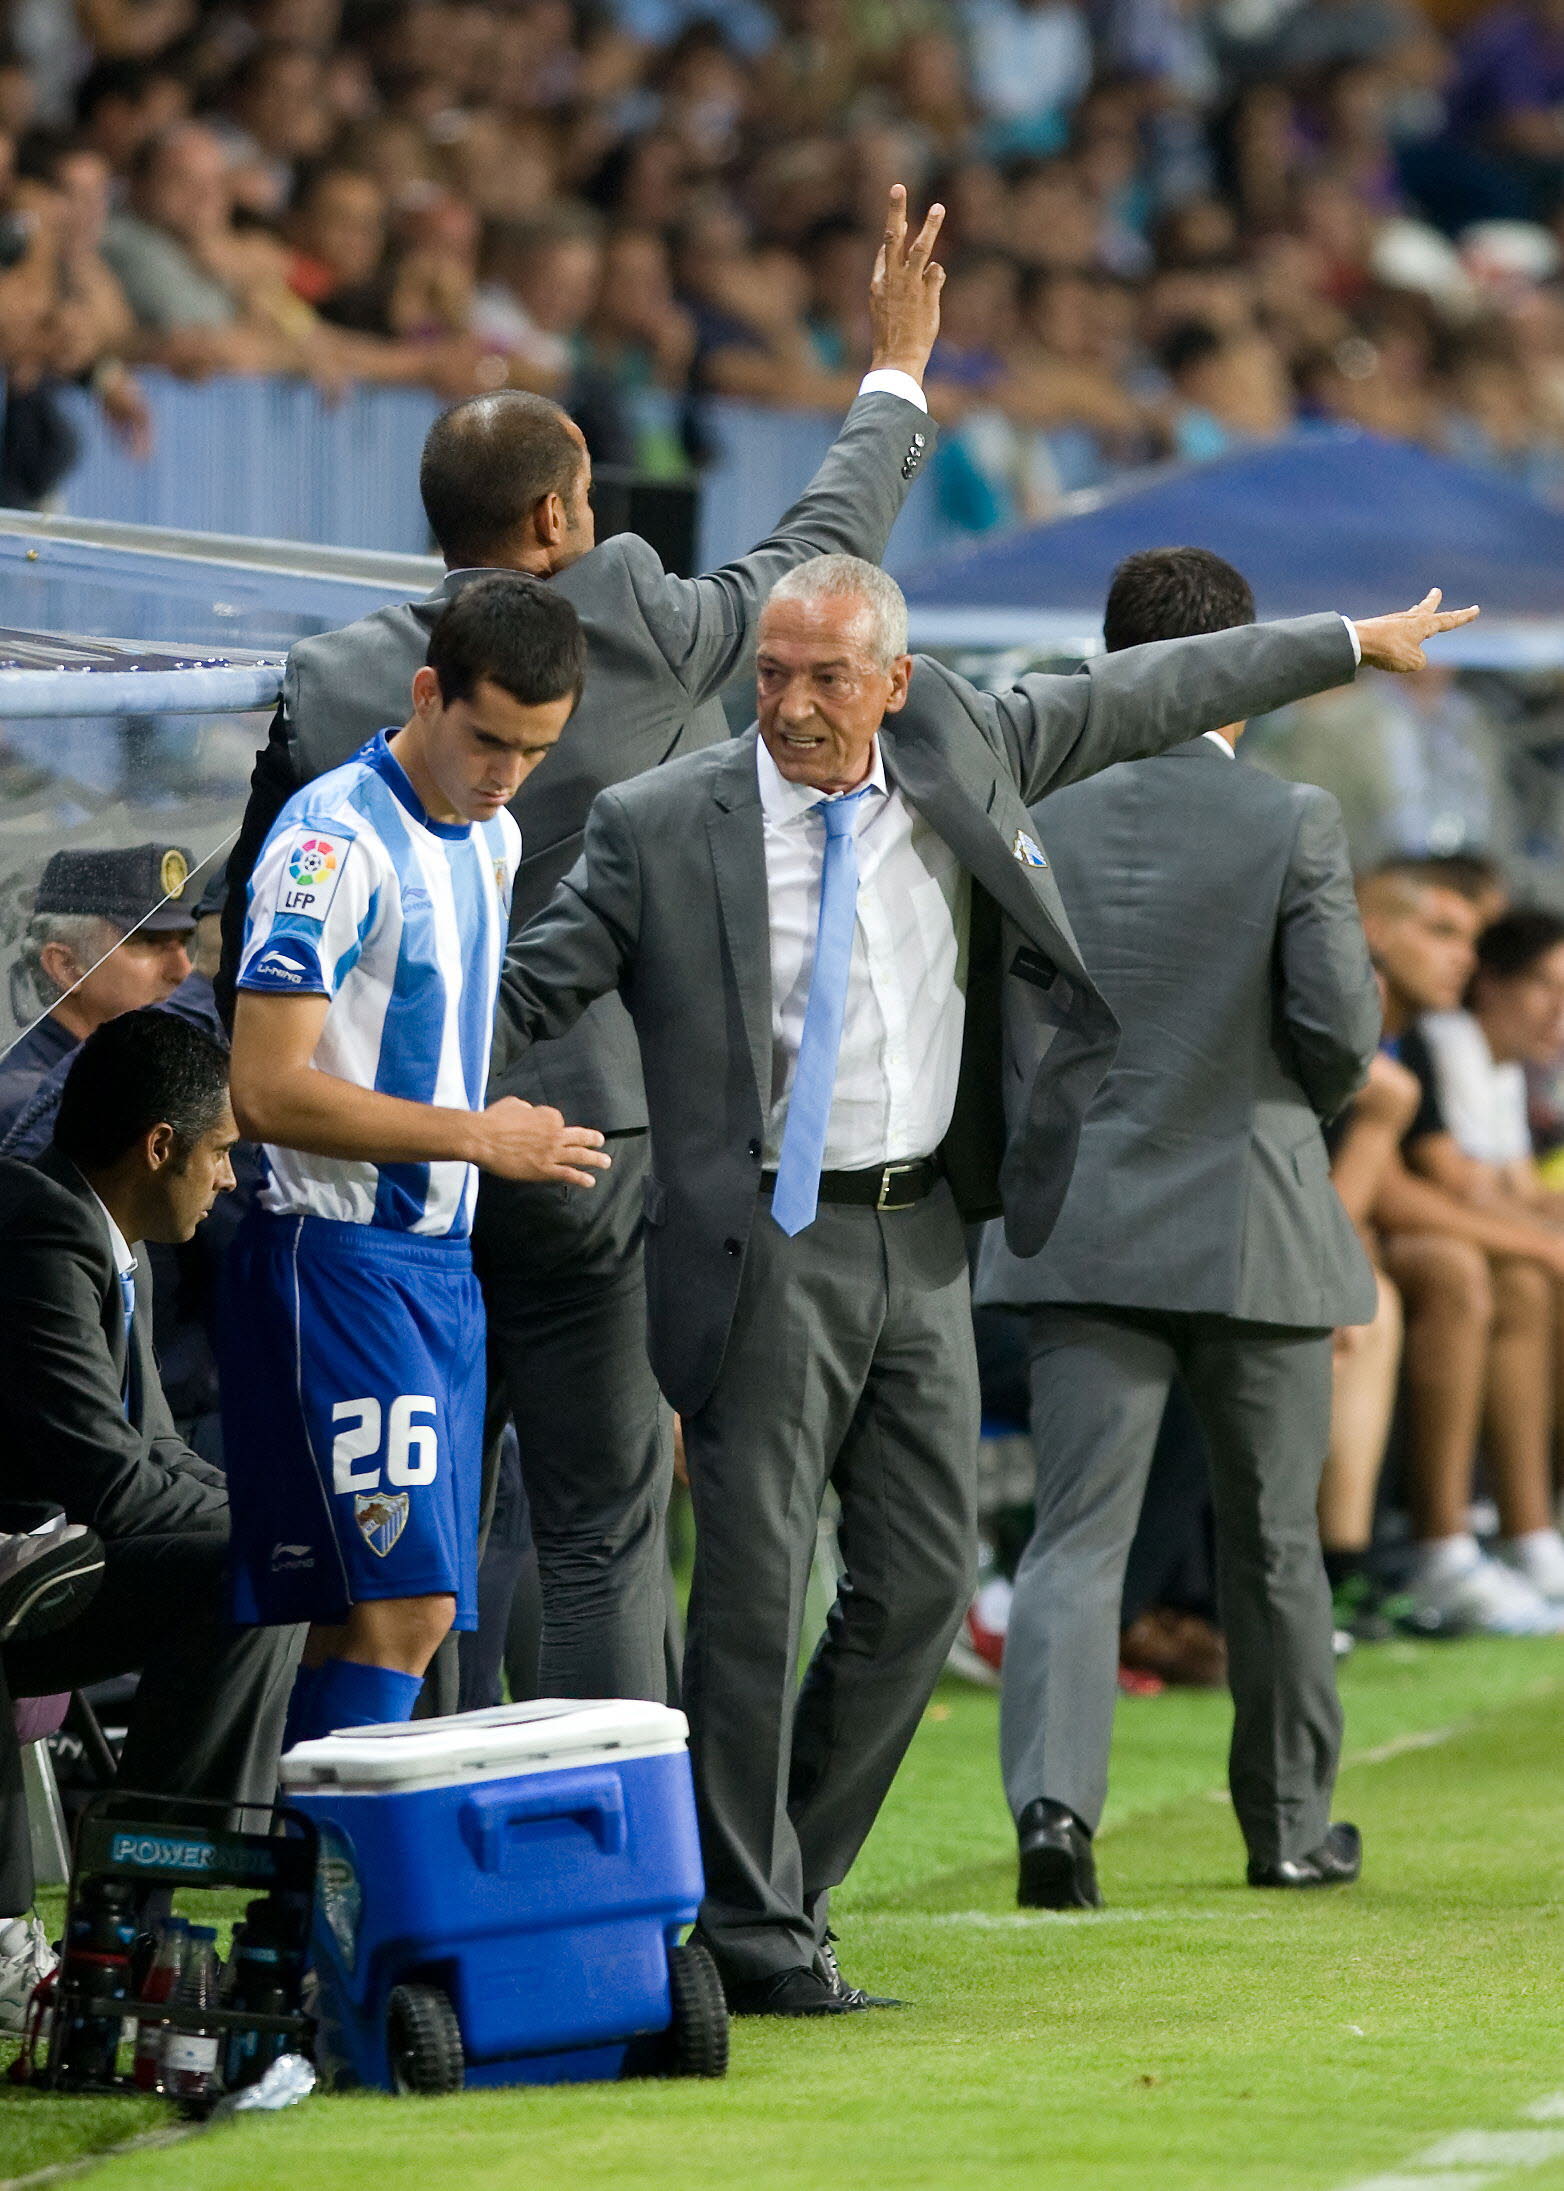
<point>698,2035</point>
<point>425,2041</point>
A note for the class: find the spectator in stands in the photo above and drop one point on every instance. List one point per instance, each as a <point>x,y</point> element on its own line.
<point>1479,1286</point>
<point>109,932</point>
<point>1228,389</point>
<point>540,280</point>
<point>141,1153</point>
<point>1367,1365</point>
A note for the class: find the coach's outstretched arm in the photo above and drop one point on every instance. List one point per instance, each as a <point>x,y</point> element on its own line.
<point>1053,730</point>
<point>703,625</point>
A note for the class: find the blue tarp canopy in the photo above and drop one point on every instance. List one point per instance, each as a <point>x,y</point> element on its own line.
<point>1332,520</point>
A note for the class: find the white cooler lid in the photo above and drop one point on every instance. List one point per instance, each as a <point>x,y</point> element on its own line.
<point>548,1736</point>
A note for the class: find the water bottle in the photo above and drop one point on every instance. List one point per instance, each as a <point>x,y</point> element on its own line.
<point>190,2053</point>
<point>97,1961</point>
<point>259,1971</point>
<point>161,1984</point>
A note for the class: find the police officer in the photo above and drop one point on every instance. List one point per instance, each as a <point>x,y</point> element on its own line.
<point>109,933</point>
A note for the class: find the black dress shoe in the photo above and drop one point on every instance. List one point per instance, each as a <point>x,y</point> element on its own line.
<point>828,1968</point>
<point>1335,1863</point>
<point>1057,1868</point>
<point>800,1992</point>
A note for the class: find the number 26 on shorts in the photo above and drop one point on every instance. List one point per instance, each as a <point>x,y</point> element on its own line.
<point>412,1449</point>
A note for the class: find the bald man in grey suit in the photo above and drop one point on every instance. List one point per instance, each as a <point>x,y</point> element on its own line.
<point>506,480</point>
<point>1200,1238</point>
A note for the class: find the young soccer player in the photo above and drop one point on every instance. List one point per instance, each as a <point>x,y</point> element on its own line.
<point>353,1331</point>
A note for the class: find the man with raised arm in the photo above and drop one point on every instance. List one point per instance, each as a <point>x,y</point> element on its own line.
<point>506,483</point>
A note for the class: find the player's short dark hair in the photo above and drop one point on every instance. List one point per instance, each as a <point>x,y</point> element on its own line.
<point>487,464</point>
<point>141,1070</point>
<point>1170,593</point>
<point>515,631</point>
<point>1513,944</point>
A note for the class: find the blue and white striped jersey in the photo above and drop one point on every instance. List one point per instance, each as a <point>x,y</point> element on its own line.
<point>401,921</point>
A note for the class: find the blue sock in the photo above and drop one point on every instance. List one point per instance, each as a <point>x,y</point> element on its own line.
<point>350,1695</point>
<point>300,1724</point>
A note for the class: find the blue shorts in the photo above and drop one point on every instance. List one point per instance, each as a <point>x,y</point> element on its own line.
<point>352,1363</point>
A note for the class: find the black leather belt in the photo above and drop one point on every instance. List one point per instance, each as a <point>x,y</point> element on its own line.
<point>884,1187</point>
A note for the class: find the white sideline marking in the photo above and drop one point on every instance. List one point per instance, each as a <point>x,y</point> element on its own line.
<point>1504,2149</point>
<point>1027,1920</point>
<point>1447,2179</point>
<point>1399,1745</point>
<point>1469,2159</point>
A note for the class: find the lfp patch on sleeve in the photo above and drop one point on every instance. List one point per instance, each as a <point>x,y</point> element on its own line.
<point>311,871</point>
<point>1027,850</point>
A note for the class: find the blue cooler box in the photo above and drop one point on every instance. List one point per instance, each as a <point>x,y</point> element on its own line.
<point>501,1895</point>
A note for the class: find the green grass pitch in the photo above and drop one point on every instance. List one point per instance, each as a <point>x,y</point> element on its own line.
<point>1195,2036</point>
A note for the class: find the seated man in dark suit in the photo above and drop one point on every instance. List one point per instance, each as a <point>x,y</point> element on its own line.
<point>140,1153</point>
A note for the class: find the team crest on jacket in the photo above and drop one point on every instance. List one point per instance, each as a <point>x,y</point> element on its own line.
<point>381,1518</point>
<point>1027,850</point>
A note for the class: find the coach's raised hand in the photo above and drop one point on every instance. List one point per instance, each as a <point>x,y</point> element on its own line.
<point>904,293</point>
<point>1396,642</point>
<point>530,1141</point>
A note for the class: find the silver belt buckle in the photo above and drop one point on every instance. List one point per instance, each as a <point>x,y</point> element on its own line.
<point>883,1198</point>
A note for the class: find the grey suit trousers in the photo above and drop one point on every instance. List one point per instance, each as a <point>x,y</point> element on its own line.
<point>564,1283</point>
<point>850,1362</point>
<point>1100,1379</point>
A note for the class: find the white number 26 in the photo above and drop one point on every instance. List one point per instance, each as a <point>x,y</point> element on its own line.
<point>412,1449</point>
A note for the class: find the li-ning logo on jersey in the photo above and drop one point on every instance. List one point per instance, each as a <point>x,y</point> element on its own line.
<point>381,1518</point>
<point>313,871</point>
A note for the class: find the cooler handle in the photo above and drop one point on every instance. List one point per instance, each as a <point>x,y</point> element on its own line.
<point>488,1815</point>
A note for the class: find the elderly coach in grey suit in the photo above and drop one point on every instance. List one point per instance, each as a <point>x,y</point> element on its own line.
<point>505,481</point>
<point>811,928</point>
<point>1201,1237</point>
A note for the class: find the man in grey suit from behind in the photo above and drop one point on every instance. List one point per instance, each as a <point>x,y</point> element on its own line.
<point>1200,1238</point>
<point>505,480</point>
<point>823,1075</point>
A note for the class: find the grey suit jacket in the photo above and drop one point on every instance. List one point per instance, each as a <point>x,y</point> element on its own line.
<point>1214,906</point>
<point>659,650</point>
<point>65,1434</point>
<point>668,905</point>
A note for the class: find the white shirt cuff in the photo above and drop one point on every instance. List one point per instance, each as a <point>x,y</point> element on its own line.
<point>1352,631</point>
<point>887,381</point>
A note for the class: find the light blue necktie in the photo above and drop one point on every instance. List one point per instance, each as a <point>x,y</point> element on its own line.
<point>796,1195</point>
<point>127,1295</point>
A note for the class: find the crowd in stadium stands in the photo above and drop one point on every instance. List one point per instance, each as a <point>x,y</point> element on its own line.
<point>1172,228</point>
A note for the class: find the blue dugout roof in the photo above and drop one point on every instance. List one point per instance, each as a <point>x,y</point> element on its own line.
<point>1328,520</point>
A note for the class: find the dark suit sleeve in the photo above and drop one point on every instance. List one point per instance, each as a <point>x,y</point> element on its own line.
<point>273,782</point>
<point>1330,1005</point>
<point>580,946</point>
<point>67,1436</point>
<point>1053,731</point>
<point>702,625</point>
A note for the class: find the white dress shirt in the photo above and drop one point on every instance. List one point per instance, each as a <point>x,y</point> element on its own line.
<point>900,1058</point>
<point>124,1261</point>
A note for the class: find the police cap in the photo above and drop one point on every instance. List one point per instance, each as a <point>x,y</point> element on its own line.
<point>121,885</point>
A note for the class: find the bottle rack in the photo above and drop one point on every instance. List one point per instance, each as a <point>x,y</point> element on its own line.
<point>188,1843</point>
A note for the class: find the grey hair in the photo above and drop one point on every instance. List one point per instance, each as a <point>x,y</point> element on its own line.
<point>850,578</point>
<point>91,936</point>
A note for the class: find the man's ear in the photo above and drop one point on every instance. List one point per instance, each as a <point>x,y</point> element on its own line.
<point>550,520</point>
<point>59,963</point>
<point>160,1148</point>
<point>901,677</point>
<point>426,690</point>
